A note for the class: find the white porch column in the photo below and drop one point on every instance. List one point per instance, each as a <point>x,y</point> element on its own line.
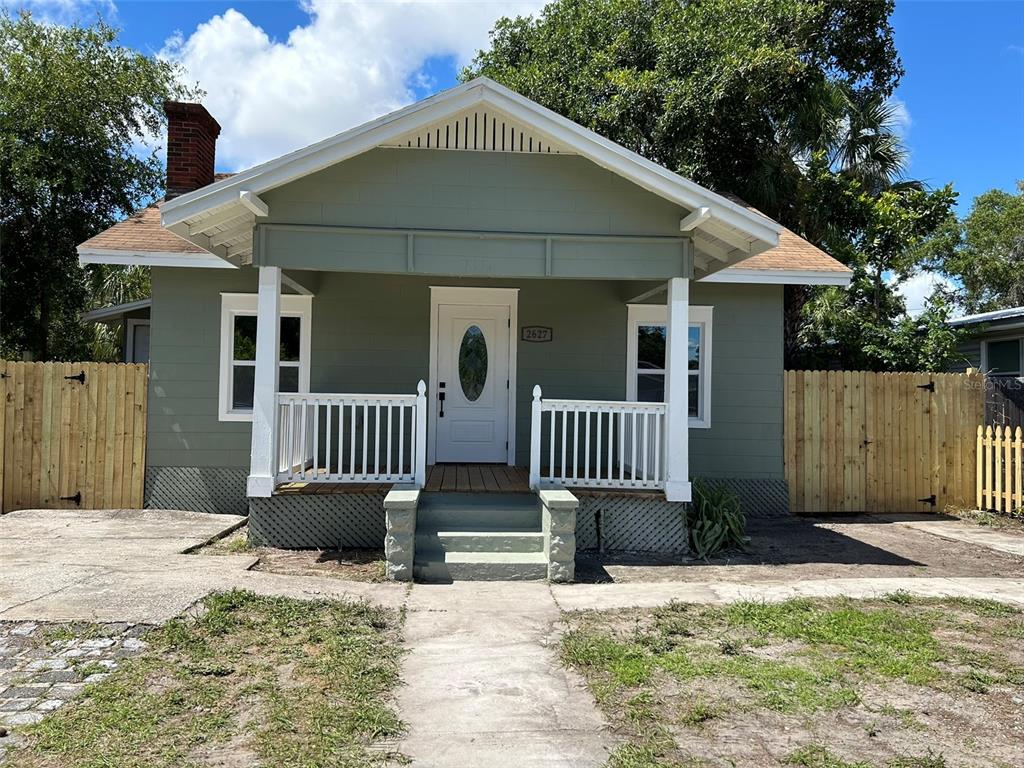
<point>263,471</point>
<point>677,420</point>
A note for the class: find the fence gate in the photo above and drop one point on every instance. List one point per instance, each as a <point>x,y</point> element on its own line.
<point>73,435</point>
<point>881,442</point>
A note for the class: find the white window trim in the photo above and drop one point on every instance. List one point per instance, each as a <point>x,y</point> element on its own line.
<point>129,340</point>
<point>234,304</point>
<point>647,314</point>
<point>1020,352</point>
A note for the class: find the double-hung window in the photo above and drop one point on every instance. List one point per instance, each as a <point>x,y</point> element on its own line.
<point>238,351</point>
<point>645,351</point>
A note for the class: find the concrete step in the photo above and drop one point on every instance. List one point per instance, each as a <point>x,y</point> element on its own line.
<point>480,566</point>
<point>478,512</point>
<point>479,541</point>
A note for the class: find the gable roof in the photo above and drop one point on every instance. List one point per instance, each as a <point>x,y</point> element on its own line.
<point>212,226</point>
<point>203,216</point>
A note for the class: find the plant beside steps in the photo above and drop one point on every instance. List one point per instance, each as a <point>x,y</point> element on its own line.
<point>479,537</point>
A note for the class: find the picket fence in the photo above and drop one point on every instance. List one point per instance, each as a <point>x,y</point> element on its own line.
<point>1000,466</point>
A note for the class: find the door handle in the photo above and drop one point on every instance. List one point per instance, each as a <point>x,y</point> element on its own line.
<point>440,397</point>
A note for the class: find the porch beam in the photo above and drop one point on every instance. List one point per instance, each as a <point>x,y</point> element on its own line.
<point>254,203</point>
<point>262,472</point>
<point>736,240</point>
<point>695,219</point>
<point>677,436</point>
<point>295,285</point>
<point>648,294</point>
<point>216,219</point>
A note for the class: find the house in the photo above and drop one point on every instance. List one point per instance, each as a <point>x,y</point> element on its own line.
<point>995,345</point>
<point>131,322</point>
<point>472,293</point>
<point>995,342</point>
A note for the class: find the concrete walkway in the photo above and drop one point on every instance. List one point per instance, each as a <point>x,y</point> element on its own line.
<point>601,597</point>
<point>483,684</point>
<point>954,530</point>
<point>130,566</point>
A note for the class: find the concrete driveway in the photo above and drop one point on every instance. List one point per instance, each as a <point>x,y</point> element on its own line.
<point>130,565</point>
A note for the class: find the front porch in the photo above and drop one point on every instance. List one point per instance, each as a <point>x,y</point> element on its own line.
<point>454,478</point>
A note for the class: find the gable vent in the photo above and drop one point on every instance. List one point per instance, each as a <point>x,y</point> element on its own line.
<point>481,131</point>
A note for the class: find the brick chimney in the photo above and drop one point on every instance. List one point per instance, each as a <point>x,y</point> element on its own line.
<point>191,145</point>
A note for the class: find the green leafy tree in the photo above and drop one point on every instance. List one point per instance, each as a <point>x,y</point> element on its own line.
<point>735,94</point>
<point>881,236</point>
<point>784,102</point>
<point>984,253</point>
<point>76,109</point>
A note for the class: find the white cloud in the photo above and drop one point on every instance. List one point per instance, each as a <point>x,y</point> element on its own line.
<point>63,11</point>
<point>918,289</point>
<point>901,115</point>
<point>351,63</point>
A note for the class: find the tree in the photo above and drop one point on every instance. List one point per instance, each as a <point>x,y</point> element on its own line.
<point>784,102</point>
<point>75,108</point>
<point>881,236</point>
<point>984,253</point>
<point>735,94</point>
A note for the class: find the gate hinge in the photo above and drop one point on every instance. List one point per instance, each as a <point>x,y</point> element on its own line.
<point>930,386</point>
<point>928,500</point>
<point>77,498</point>
<point>80,377</point>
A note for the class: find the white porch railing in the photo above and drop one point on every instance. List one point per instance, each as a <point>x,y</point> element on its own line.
<point>338,438</point>
<point>597,443</point>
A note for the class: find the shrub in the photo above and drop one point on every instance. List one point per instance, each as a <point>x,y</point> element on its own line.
<point>714,519</point>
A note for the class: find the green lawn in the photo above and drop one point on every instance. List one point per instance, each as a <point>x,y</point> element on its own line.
<point>893,683</point>
<point>251,680</point>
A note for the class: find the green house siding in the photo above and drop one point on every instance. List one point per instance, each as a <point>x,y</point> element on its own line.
<point>370,333</point>
<point>434,212</point>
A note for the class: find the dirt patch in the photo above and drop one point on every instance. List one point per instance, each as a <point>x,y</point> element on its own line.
<point>821,684</point>
<point>813,548</point>
<point>350,564</point>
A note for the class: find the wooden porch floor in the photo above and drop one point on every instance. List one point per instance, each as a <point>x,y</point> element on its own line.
<point>458,478</point>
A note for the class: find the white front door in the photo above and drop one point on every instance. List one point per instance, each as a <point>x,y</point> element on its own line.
<point>472,392</point>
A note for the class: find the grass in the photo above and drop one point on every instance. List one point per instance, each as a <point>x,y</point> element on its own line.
<point>683,668</point>
<point>254,679</point>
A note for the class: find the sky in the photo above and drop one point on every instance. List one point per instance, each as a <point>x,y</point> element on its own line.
<point>280,75</point>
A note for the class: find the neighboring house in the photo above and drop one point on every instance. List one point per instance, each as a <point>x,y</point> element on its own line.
<point>487,246</point>
<point>996,343</point>
<point>995,346</point>
<point>131,320</point>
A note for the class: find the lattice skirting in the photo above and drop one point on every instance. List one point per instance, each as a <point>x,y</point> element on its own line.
<point>330,521</point>
<point>198,489</point>
<point>759,498</point>
<point>631,522</point>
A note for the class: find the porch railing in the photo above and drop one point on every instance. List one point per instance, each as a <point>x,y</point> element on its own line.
<point>341,438</point>
<point>597,443</point>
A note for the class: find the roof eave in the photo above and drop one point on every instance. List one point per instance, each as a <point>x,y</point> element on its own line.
<point>762,231</point>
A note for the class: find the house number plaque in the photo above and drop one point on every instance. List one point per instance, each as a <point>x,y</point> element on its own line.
<point>537,333</point>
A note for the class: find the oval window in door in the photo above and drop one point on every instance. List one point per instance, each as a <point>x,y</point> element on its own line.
<point>473,363</point>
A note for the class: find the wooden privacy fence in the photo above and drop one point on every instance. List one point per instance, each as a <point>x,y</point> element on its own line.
<point>1000,463</point>
<point>73,435</point>
<point>881,442</point>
